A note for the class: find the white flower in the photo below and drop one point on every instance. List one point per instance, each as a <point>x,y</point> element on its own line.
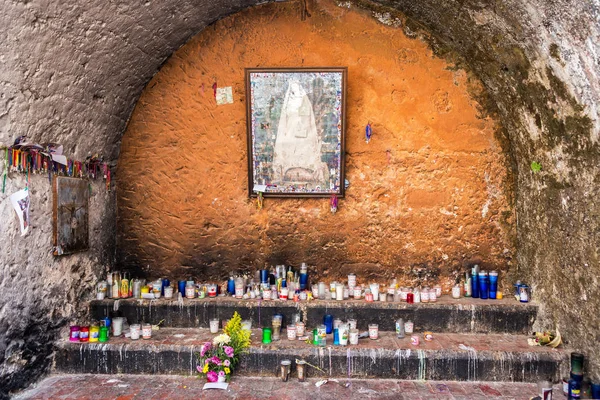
<point>221,339</point>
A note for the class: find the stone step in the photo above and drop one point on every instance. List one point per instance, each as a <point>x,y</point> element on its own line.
<point>460,357</point>
<point>446,315</point>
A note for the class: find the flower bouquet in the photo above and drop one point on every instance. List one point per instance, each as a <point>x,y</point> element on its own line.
<point>218,358</point>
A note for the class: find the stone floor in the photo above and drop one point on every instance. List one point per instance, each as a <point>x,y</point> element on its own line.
<point>126,387</point>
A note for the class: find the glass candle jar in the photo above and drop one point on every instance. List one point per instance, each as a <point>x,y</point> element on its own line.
<point>146,331</point>
<point>425,295</point>
<point>432,295</point>
<point>352,323</point>
<point>168,292</point>
<point>409,327</point>
<point>276,322</point>
<point>315,291</point>
<point>353,336</point>
<point>400,328</point>
<point>383,297</point>
<point>456,292</point>
<point>291,332</point>
<point>343,332</point>
<point>339,292</point>
<point>373,331</point>
<point>134,331</point>
<point>369,296</point>
<point>375,291</point>
<point>438,291</point>
<point>336,323</point>
<point>214,325</point>
<point>212,290</point>
<point>300,329</point>
<point>266,294</point>
<point>357,292</point>
<point>190,291</point>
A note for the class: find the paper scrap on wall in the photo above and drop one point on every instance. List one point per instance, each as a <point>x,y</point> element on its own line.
<point>224,95</point>
<point>20,201</point>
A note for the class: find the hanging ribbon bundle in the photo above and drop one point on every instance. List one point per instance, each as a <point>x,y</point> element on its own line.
<point>37,160</point>
<point>259,200</point>
<point>368,132</point>
<point>5,173</point>
<point>333,203</point>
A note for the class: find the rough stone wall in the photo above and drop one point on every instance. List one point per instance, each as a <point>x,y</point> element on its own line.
<point>40,293</point>
<point>427,195</point>
<point>72,71</point>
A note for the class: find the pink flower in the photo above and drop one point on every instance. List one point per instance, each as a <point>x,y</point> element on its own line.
<point>221,374</point>
<point>211,376</point>
<point>215,360</point>
<point>226,363</point>
<point>228,351</point>
<point>204,349</point>
<point>199,368</point>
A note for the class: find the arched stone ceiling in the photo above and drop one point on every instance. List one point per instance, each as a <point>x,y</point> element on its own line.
<point>72,71</point>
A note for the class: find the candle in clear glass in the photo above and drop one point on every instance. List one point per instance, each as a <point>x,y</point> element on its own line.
<point>214,325</point>
<point>373,331</point>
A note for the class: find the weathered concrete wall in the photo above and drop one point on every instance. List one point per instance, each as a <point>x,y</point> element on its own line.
<point>427,195</point>
<point>40,293</point>
<point>72,71</point>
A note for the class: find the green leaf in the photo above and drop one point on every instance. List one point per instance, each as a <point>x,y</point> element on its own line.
<point>536,166</point>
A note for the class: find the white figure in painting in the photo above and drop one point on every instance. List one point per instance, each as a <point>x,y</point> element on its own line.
<point>297,153</point>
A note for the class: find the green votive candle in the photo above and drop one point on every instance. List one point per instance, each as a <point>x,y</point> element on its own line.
<point>266,335</point>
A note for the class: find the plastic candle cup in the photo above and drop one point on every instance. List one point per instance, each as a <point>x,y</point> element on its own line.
<point>94,332</point>
<point>373,331</point>
<point>103,334</point>
<point>74,333</point>
<point>266,335</point>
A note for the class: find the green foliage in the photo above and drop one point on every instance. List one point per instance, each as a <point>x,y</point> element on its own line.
<point>536,166</point>
<point>240,338</point>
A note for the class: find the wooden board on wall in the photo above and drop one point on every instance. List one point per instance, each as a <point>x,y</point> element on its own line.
<point>70,215</point>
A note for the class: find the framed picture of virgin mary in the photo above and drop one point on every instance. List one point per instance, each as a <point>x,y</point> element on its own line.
<point>296,126</point>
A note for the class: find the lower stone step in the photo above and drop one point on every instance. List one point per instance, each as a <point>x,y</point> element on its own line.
<point>460,357</point>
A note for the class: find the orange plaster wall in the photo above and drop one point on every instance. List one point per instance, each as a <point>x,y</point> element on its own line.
<point>427,195</point>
